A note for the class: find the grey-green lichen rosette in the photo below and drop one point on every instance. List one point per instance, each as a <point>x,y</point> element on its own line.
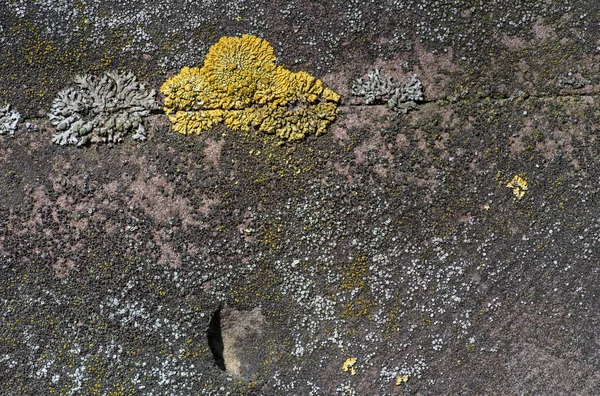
<point>377,88</point>
<point>8,120</point>
<point>101,109</point>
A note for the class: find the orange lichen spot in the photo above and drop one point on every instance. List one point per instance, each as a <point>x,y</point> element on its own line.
<point>241,85</point>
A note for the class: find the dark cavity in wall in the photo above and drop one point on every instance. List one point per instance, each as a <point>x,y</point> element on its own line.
<point>215,339</point>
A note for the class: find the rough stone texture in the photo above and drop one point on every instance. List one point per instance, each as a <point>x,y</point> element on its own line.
<point>392,239</point>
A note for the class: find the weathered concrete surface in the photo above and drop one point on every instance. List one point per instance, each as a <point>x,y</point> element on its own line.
<point>392,239</point>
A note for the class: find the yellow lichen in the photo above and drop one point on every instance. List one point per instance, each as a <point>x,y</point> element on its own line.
<point>241,85</point>
<point>401,379</point>
<point>519,186</point>
<point>349,365</point>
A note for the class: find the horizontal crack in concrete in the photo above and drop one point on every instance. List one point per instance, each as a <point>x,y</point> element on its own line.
<point>420,103</point>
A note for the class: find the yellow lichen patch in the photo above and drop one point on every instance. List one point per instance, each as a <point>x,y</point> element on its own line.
<point>241,85</point>
<point>348,366</point>
<point>519,186</point>
<point>330,95</point>
<point>401,379</point>
<point>188,122</point>
<point>355,274</point>
<point>355,280</point>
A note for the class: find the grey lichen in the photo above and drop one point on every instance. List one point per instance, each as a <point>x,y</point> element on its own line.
<point>8,120</point>
<point>375,87</point>
<point>378,88</point>
<point>101,109</point>
<point>572,80</point>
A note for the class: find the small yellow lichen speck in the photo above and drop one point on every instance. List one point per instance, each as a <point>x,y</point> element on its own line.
<point>349,365</point>
<point>519,186</point>
<point>401,379</point>
<point>241,85</point>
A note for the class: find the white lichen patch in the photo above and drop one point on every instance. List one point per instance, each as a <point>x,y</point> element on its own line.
<point>385,287</point>
<point>379,88</point>
<point>8,120</point>
<point>101,109</point>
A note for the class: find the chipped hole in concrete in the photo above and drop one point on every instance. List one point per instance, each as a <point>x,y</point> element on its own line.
<point>243,341</point>
<point>215,339</point>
